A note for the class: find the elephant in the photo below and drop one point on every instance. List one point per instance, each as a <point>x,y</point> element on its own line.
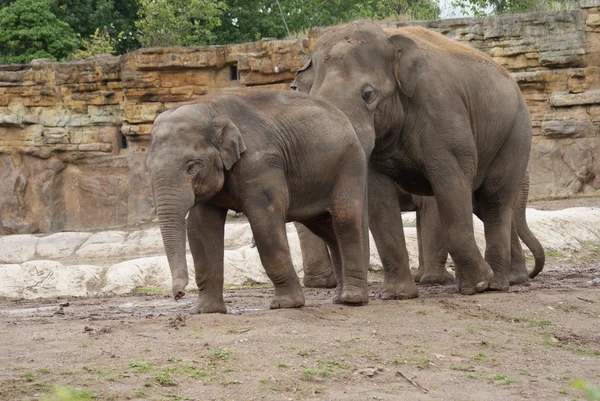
<point>276,156</point>
<point>448,122</point>
<point>432,251</point>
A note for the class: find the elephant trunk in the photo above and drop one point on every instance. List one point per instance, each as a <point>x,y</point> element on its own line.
<point>171,210</point>
<point>523,229</point>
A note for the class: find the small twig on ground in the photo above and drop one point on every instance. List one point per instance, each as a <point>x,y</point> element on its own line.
<point>586,300</point>
<point>411,381</point>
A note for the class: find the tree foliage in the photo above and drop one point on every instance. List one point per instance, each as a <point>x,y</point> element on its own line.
<point>116,17</point>
<point>100,42</point>
<point>29,29</point>
<point>178,22</point>
<point>480,8</point>
<point>248,20</point>
<point>55,28</point>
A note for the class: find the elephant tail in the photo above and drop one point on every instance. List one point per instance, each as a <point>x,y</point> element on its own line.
<point>525,233</point>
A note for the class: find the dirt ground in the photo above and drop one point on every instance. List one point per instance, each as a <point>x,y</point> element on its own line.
<point>530,343</point>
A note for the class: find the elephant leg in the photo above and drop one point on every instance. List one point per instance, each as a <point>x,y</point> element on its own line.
<point>435,253</point>
<point>421,269</point>
<point>205,230</point>
<point>267,220</point>
<point>318,272</point>
<point>323,228</point>
<point>453,192</point>
<point>349,219</point>
<point>497,227</point>
<point>518,273</point>
<point>385,221</point>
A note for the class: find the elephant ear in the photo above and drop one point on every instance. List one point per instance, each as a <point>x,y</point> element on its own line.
<point>231,145</point>
<point>303,82</point>
<point>410,64</point>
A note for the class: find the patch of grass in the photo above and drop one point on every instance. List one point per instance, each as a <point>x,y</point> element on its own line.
<point>425,363</point>
<point>304,352</point>
<point>592,393</point>
<point>555,254</point>
<point>583,352</point>
<point>234,381</point>
<point>480,356</point>
<point>44,370</point>
<point>141,366</point>
<point>68,393</point>
<point>222,354</point>
<point>29,376</point>
<point>548,339</point>
<point>99,372</point>
<point>472,377</point>
<point>234,330</point>
<point>463,368</point>
<point>164,380</point>
<point>174,359</point>
<point>282,365</point>
<point>502,379</point>
<point>193,371</point>
<point>265,381</point>
<point>309,372</point>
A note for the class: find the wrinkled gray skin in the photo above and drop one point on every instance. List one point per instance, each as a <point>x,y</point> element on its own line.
<point>277,156</point>
<point>448,122</point>
<point>433,253</point>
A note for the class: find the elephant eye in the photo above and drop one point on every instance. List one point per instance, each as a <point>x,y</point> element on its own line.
<point>192,167</point>
<point>368,94</point>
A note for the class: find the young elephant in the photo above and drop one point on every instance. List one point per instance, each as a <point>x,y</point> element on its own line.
<point>276,156</point>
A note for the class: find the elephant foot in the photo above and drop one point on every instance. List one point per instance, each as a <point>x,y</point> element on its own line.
<point>287,298</point>
<point>418,274</point>
<point>327,281</point>
<point>499,282</point>
<point>355,295</point>
<point>208,305</point>
<point>337,297</point>
<point>476,280</point>
<point>437,278</point>
<point>402,290</point>
<point>518,275</point>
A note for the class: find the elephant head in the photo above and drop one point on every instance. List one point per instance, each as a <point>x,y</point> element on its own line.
<point>190,150</point>
<point>366,74</point>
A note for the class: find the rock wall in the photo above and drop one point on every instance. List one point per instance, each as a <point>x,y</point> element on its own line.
<point>74,136</point>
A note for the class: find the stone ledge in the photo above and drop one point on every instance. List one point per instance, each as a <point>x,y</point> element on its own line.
<point>589,3</point>
<point>575,99</point>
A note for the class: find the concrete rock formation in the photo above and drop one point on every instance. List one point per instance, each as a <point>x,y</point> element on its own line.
<point>116,262</point>
<point>74,136</point>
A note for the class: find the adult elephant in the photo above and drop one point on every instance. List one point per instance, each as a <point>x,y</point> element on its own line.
<point>448,122</point>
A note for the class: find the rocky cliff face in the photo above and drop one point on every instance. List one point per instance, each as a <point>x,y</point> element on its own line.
<point>74,136</point>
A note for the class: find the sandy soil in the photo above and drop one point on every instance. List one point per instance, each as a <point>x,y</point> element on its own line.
<point>530,343</point>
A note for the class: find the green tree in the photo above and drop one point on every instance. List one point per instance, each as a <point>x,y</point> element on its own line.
<point>29,29</point>
<point>248,20</point>
<point>115,17</point>
<point>100,42</point>
<point>178,22</point>
<point>480,8</point>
